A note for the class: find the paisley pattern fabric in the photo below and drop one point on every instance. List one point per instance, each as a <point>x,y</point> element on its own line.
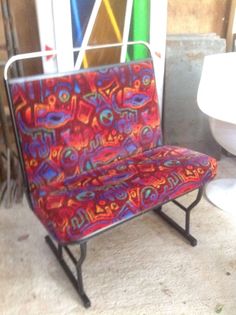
<point>91,144</point>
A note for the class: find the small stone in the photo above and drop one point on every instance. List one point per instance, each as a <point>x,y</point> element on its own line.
<point>219,308</point>
<point>228,273</point>
<point>23,237</point>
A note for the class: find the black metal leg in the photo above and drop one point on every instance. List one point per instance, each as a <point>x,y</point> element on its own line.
<point>77,282</point>
<point>83,249</point>
<point>186,230</point>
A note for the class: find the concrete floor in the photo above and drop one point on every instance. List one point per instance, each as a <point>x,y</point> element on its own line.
<point>141,267</point>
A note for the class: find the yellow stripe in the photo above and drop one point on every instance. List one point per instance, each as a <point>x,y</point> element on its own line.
<point>85,61</point>
<point>112,19</point>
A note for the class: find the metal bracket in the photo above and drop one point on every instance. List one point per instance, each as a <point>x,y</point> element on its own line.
<point>76,281</point>
<point>186,230</point>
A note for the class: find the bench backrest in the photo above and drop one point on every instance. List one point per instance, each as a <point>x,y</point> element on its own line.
<point>68,124</point>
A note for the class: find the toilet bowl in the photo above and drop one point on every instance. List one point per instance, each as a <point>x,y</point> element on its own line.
<point>217,99</point>
<point>224,133</point>
<point>222,192</point>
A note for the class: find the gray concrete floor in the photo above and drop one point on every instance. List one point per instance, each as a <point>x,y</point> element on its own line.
<point>141,267</point>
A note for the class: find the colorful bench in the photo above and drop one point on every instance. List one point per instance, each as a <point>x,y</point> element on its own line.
<point>92,156</point>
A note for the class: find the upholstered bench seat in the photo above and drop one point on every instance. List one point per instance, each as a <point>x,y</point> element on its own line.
<point>105,196</point>
<point>92,155</point>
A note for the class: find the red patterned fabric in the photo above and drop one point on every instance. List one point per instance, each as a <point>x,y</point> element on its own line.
<point>74,123</point>
<point>120,190</point>
<point>91,146</point>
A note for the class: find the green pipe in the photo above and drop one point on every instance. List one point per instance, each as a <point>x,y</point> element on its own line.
<point>141,27</point>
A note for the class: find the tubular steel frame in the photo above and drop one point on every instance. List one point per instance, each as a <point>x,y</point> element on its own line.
<point>77,281</point>
<point>61,249</point>
<point>185,232</point>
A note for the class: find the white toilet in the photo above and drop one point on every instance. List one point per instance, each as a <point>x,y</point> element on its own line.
<point>217,99</point>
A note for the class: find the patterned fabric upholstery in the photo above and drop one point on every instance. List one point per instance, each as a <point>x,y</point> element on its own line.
<point>120,190</point>
<point>91,143</point>
<point>74,123</point>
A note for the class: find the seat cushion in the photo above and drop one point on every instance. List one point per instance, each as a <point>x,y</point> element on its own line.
<point>74,209</point>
